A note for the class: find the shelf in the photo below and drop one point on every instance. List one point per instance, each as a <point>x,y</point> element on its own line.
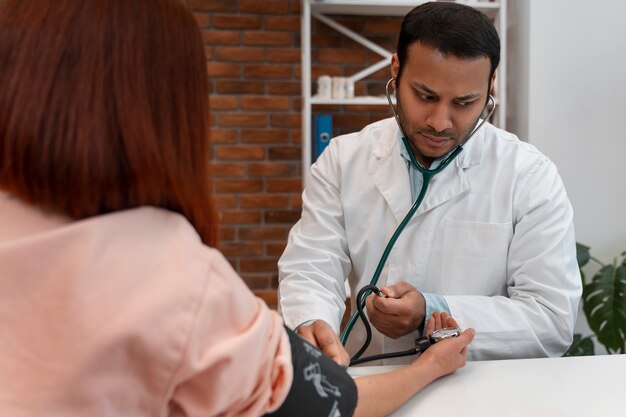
<point>387,8</point>
<point>322,10</point>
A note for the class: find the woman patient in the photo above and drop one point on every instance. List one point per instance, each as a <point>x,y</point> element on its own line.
<point>113,300</point>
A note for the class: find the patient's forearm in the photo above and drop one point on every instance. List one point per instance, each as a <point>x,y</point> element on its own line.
<point>381,394</point>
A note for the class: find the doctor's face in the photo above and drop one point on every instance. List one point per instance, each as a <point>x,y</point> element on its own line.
<point>439,99</point>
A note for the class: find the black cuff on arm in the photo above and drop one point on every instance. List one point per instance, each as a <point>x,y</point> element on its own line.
<point>320,387</point>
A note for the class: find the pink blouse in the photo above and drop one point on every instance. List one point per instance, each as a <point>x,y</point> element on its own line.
<point>129,314</point>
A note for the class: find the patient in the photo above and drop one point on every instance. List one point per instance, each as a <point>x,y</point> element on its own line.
<point>113,300</point>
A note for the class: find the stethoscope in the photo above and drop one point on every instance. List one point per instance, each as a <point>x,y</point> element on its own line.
<point>427,174</point>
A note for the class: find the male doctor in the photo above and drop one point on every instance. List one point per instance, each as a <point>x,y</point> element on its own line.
<point>492,242</point>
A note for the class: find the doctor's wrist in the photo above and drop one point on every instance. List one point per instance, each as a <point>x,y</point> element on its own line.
<point>420,311</point>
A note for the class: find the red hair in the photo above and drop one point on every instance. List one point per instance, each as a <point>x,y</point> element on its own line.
<point>104,107</point>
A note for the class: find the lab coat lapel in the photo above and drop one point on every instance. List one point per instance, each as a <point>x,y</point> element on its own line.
<point>389,173</point>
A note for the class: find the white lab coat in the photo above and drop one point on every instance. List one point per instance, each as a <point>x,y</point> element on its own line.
<point>494,236</point>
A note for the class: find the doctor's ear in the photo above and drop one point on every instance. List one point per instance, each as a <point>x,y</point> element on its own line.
<point>395,69</point>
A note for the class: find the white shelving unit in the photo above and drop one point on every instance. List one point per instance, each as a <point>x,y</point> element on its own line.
<point>322,10</point>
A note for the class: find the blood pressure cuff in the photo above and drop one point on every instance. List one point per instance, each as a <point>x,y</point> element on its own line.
<point>320,387</point>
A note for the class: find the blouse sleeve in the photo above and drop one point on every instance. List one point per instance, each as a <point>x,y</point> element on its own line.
<point>238,359</point>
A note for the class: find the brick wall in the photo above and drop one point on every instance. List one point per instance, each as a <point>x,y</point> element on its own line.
<point>253,63</point>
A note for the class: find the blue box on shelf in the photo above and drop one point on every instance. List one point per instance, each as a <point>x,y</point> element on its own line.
<point>322,133</point>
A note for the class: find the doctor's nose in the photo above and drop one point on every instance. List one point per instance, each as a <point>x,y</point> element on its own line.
<point>439,118</point>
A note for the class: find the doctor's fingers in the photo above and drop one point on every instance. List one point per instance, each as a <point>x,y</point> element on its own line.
<point>394,306</point>
<point>392,325</point>
<point>398,289</point>
<point>329,343</point>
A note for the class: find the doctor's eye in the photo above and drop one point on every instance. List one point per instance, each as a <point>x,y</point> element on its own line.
<point>425,97</point>
<point>465,103</point>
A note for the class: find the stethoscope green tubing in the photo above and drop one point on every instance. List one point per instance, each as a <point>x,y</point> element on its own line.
<point>427,174</point>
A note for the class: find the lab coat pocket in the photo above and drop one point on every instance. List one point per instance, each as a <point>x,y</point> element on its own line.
<point>474,257</point>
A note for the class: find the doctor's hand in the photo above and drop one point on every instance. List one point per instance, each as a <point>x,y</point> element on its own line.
<point>321,335</point>
<point>400,313</point>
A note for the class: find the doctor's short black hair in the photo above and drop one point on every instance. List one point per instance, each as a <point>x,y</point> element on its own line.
<point>450,28</point>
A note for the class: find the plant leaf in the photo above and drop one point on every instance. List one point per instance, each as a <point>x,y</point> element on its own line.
<point>580,346</point>
<point>582,254</point>
<point>605,305</point>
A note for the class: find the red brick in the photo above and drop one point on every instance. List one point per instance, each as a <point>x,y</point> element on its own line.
<point>264,103</point>
<point>208,52</point>
<point>282,87</point>
<point>240,217</point>
<point>285,153</point>
<point>376,117</point>
<point>326,40</point>
<point>289,23</point>
<point>243,54</point>
<point>202,19</point>
<point>282,216</point>
<point>262,233</point>
<point>382,74</point>
<point>286,120</point>
<point>381,25</point>
<point>263,200</point>
<point>283,55</point>
<point>258,265</point>
<point>239,87</point>
<point>295,135</point>
<point>223,102</point>
<point>264,6</point>
<point>341,56</point>
<point>269,296</point>
<point>319,70</point>
<point>355,23</point>
<point>268,38</point>
<point>275,249</point>
<point>272,169</point>
<point>224,201</point>
<point>295,201</point>
<point>275,71</point>
<point>296,104</point>
<point>243,119</point>
<point>228,169</point>
<point>257,281</point>
<point>237,186</point>
<point>231,153</point>
<point>233,249</point>
<point>223,136</point>
<point>215,37</point>
<point>223,69</point>
<point>227,233</point>
<point>360,88</point>
<point>376,89</point>
<point>237,21</point>
<point>265,136</point>
<point>284,185</point>
<point>213,5</point>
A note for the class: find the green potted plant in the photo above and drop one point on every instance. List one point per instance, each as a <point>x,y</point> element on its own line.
<point>604,304</point>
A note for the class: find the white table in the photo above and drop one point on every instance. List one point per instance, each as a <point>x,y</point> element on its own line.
<point>587,386</point>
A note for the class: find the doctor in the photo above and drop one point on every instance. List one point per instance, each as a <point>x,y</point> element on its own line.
<point>493,241</point>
